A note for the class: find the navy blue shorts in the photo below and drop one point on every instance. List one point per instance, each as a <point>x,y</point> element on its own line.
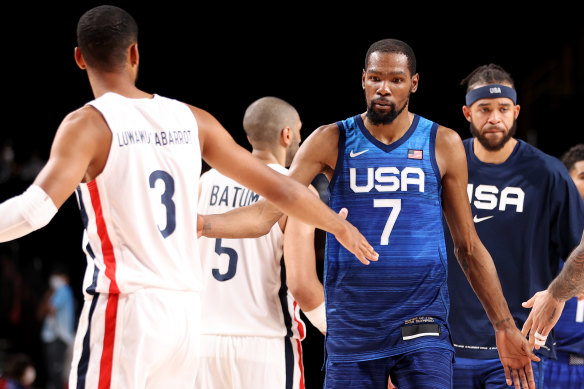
<point>566,372</point>
<point>471,373</point>
<point>428,368</point>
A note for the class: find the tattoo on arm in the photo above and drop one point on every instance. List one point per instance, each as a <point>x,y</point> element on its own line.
<point>462,260</point>
<point>570,281</point>
<point>206,226</point>
<point>502,321</point>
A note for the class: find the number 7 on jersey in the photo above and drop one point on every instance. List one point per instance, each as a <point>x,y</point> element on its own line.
<point>395,205</point>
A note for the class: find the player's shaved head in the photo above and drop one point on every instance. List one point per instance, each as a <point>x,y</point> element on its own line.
<point>266,117</point>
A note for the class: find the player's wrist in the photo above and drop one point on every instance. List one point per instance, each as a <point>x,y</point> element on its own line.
<point>504,324</point>
<point>317,317</point>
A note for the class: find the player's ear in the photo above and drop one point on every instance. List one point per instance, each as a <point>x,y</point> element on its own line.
<point>466,112</point>
<point>286,136</point>
<point>79,59</point>
<point>415,80</point>
<point>133,54</point>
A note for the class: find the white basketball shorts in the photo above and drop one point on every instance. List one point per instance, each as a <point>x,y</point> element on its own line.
<point>240,362</point>
<point>143,340</point>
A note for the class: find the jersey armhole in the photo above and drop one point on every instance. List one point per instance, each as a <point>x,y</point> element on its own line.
<point>433,132</point>
<point>340,156</point>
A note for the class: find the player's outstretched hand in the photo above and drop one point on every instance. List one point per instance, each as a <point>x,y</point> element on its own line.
<point>355,242</point>
<point>516,356</point>
<point>544,315</point>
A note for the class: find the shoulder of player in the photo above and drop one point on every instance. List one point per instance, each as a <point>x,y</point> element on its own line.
<point>447,138</point>
<point>327,134</point>
<point>85,120</point>
<point>540,160</point>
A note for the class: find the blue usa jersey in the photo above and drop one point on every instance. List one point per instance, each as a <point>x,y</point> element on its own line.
<point>392,192</point>
<point>569,330</point>
<point>529,215</point>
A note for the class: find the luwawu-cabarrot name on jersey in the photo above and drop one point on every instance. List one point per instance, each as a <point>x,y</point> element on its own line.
<point>158,138</point>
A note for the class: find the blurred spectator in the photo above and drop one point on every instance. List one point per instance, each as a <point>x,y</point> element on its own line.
<point>20,373</point>
<point>57,309</point>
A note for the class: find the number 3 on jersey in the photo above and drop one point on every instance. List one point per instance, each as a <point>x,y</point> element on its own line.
<point>395,205</point>
<point>165,199</point>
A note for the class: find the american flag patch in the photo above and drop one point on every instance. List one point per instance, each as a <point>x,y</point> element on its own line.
<point>415,154</point>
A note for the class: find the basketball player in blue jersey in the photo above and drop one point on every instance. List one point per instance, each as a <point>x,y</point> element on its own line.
<point>568,370</point>
<point>528,214</point>
<point>396,173</point>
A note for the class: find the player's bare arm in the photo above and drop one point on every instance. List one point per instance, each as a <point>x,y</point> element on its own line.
<point>547,305</point>
<point>318,154</point>
<point>78,154</point>
<point>301,276</point>
<point>477,263</point>
<point>292,197</point>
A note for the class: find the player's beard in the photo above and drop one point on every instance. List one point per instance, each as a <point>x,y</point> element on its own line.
<point>493,145</point>
<point>292,149</point>
<point>386,118</point>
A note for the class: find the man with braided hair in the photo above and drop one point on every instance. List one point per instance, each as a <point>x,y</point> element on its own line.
<point>528,214</point>
<point>397,173</point>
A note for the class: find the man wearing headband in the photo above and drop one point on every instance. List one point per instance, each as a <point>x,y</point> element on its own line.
<point>528,214</point>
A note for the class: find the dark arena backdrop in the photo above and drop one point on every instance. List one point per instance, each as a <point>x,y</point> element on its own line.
<point>223,57</point>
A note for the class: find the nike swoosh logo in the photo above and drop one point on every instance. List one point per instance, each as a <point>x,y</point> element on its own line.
<point>477,219</point>
<point>353,155</point>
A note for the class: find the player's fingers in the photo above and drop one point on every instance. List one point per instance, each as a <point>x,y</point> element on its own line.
<point>507,370</point>
<point>529,376</point>
<point>343,213</point>
<point>369,252</point>
<point>526,326</point>
<point>516,380</point>
<point>362,259</point>
<point>523,379</point>
<point>539,337</point>
<point>528,303</point>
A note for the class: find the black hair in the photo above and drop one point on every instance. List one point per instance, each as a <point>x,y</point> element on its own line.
<point>487,74</point>
<point>104,34</point>
<point>573,155</point>
<point>393,46</point>
<point>17,364</point>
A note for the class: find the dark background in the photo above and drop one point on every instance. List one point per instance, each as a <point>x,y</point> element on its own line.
<point>222,57</point>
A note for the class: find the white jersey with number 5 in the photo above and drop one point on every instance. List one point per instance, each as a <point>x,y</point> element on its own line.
<point>140,213</point>
<point>245,281</point>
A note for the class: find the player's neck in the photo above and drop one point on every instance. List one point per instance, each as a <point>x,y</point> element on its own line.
<point>389,133</point>
<point>120,83</point>
<point>494,157</point>
<point>268,157</point>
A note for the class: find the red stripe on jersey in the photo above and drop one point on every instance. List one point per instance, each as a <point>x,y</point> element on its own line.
<point>300,364</point>
<point>105,367</point>
<point>299,345</point>
<point>107,248</point>
<point>299,323</point>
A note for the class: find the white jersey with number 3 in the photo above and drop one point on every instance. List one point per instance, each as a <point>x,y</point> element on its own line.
<point>140,213</point>
<point>245,286</point>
